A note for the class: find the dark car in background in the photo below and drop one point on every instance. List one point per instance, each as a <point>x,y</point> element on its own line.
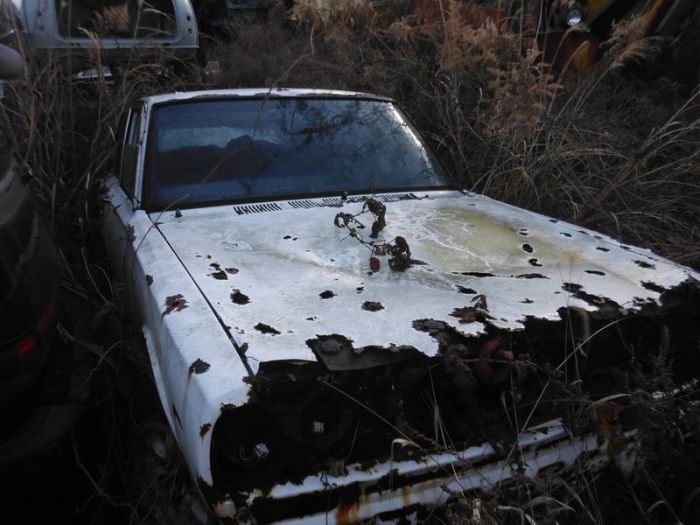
<point>39,393</point>
<point>28,292</point>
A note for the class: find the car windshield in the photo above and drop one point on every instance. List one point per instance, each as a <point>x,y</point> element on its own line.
<point>217,151</point>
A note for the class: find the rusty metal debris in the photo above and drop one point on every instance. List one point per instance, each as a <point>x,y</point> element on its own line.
<point>398,249</point>
<point>337,353</point>
<point>379,211</point>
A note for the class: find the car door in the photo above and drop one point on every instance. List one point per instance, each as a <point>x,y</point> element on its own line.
<point>121,199</point>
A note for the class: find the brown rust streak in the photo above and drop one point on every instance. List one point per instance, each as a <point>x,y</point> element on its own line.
<point>347,514</point>
<point>406,495</point>
<point>652,15</point>
<point>351,512</point>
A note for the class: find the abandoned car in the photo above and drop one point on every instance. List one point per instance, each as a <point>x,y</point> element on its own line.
<point>117,28</point>
<point>337,334</point>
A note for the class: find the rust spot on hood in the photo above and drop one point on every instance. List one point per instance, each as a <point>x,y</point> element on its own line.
<point>219,273</point>
<point>199,367</point>
<point>175,303</point>
<point>266,329</point>
<point>372,306</point>
<point>477,274</point>
<point>238,297</point>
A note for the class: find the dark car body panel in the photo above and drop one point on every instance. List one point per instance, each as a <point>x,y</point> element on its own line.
<point>39,392</point>
<point>28,288</point>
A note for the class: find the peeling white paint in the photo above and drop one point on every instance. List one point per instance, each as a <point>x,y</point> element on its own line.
<point>284,259</point>
<point>283,278</point>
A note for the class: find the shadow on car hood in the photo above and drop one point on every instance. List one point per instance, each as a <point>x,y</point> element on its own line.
<point>281,275</point>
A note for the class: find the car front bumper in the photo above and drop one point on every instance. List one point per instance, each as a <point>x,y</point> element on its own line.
<point>398,488</point>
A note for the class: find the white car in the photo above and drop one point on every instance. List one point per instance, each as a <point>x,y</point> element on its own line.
<point>338,334</point>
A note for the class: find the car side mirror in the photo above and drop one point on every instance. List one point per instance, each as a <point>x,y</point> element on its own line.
<point>11,63</point>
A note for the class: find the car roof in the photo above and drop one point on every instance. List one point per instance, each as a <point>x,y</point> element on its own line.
<point>261,92</point>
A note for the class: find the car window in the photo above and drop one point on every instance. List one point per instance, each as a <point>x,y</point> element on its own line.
<point>207,152</point>
<point>130,154</point>
<point>116,18</point>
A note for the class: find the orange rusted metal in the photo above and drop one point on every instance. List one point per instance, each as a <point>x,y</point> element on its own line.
<point>347,514</point>
<point>653,13</point>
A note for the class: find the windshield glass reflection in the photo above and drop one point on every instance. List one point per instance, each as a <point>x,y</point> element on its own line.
<point>236,150</point>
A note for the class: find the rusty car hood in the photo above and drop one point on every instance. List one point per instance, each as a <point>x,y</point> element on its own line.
<point>280,274</point>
